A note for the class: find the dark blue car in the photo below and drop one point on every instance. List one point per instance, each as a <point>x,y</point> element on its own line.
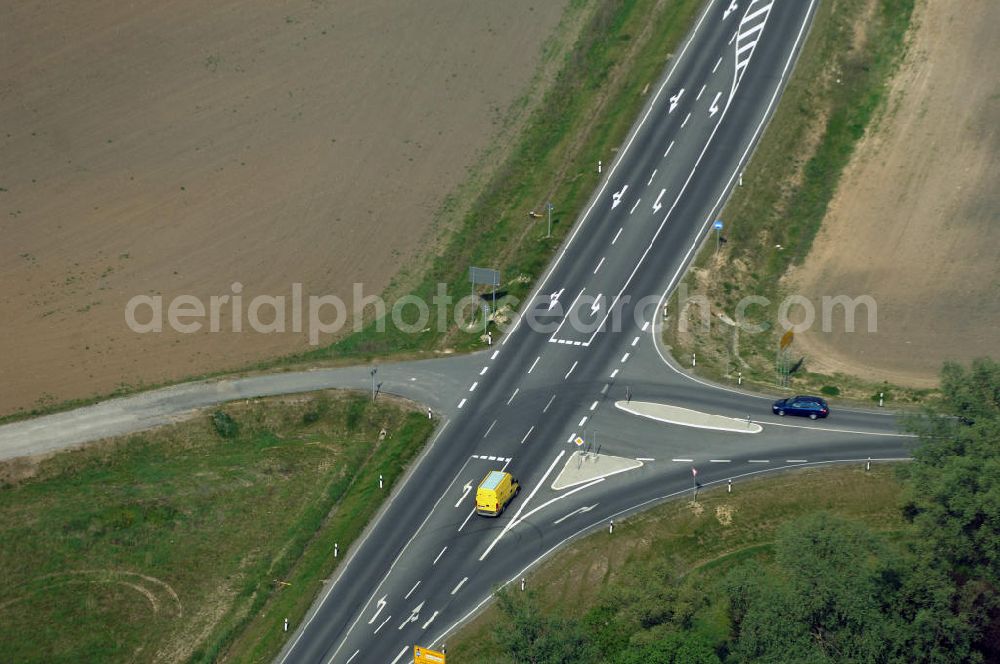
<point>811,407</point>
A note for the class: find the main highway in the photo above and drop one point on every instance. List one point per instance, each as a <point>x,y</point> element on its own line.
<point>582,356</point>
<point>584,345</point>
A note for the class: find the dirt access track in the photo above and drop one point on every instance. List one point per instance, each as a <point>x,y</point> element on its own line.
<point>914,222</point>
<point>172,148</point>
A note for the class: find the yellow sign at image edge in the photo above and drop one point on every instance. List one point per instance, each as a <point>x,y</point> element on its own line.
<point>426,656</point>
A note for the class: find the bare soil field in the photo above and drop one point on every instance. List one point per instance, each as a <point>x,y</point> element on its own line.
<point>169,148</point>
<point>914,222</point>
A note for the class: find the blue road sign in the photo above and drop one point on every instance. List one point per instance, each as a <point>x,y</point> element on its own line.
<point>717,225</point>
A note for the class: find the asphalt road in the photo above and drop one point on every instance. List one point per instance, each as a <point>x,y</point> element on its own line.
<point>588,337</point>
<point>586,340</point>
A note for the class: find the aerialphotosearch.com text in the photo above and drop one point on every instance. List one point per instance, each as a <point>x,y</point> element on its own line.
<point>319,316</point>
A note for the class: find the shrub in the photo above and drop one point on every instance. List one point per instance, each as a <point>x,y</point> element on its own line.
<point>224,424</point>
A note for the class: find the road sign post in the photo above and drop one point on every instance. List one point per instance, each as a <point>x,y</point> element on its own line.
<point>549,206</point>
<point>718,231</point>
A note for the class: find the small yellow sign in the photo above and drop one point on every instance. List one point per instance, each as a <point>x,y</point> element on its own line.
<point>786,339</point>
<point>426,656</point>
<point>579,441</point>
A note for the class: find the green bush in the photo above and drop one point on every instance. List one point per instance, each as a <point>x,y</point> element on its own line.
<point>830,390</point>
<point>225,425</point>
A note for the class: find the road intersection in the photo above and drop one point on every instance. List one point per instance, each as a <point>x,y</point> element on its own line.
<point>579,362</point>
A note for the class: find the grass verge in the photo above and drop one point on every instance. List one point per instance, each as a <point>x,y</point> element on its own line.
<point>833,98</point>
<point>693,541</point>
<point>182,543</point>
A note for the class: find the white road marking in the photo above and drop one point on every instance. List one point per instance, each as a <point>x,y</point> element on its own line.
<point>463,524</point>
<point>599,265</point>
<point>714,108</point>
<point>351,658</point>
<point>459,586</point>
<point>750,17</point>
<point>614,373</point>
<point>549,403</point>
<point>759,461</point>
<point>382,625</point>
<point>700,92</point>
<point>474,386</point>
<point>616,198</point>
<point>534,363</point>
<point>492,458</point>
<point>720,461</point>
<point>754,29</point>
<point>483,372</point>
<point>669,147</point>
<point>645,459</point>
<point>593,407</point>
<point>582,422</point>
<point>719,62</point>
<point>686,118</point>
<point>465,493</point>
<point>625,357</point>
<point>461,403</point>
<point>651,178</point>
<point>523,504</point>
<point>635,205</point>
<point>494,355</point>
<point>645,326</point>
<point>571,369</point>
<point>795,461</point>
<point>683,460</point>
<point>656,205</point>
<point>490,429</point>
<point>744,48</point>
<point>635,341</point>
<point>596,306</point>
<point>400,655</point>
<point>733,37</point>
<point>514,394</point>
<point>582,510</point>
<point>412,589</point>
<point>439,556</point>
<point>430,620</point>
<point>381,605</point>
<point>414,616</point>
<point>604,390</point>
<point>527,434</point>
<point>571,437</point>
<point>620,230</point>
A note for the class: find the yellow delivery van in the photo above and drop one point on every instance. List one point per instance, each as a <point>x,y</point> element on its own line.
<point>494,492</point>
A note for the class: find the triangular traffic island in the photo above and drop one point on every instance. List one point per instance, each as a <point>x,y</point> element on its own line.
<point>686,417</point>
<point>583,467</point>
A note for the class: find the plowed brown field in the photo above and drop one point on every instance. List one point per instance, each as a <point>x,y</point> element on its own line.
<point>151,147</point>
<point>915,221</point>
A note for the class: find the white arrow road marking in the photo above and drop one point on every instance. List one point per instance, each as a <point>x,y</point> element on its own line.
<point>656,205</point>
<point>381,605</point>
<point>430,620</point>
<point>729,10</point>
<point>616,197</point>
<point>414,615</point>
<point>554,298</point>
<point>596,305</point>
<point>675,99</point>
<point>465,492</point>
<point>582,510</point>
<point>714,108</point>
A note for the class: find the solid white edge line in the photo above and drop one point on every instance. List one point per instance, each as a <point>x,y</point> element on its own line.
<point>626,511</point>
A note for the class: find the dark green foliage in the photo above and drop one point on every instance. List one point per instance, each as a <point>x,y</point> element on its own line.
<point>528,635</point>
<point>830,390</point>
<point>225,425</point>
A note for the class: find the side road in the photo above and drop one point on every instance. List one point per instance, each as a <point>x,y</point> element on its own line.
<point>434,382</point>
